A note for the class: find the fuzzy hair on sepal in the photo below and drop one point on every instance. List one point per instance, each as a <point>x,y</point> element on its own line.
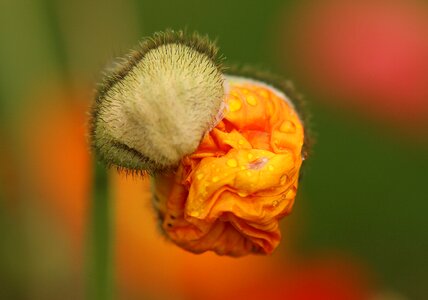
<point>156,104</point>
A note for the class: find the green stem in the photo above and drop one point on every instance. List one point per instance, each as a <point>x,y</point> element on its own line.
<point>100,256</point>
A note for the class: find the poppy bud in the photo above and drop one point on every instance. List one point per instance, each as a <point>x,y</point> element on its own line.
<point>224,151</point>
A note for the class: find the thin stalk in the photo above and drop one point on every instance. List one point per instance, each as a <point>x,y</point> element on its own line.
<point>100,265</point>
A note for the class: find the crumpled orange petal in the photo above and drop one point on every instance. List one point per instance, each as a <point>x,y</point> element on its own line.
<point>229,195</point>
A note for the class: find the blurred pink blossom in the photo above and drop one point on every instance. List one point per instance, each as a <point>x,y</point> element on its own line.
<point>374,54</point>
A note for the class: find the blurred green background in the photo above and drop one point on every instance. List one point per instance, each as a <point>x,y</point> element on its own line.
<point>364,186</point>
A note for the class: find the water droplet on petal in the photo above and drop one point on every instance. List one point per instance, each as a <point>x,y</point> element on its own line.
<point>194,213</point>
<point>251,100</point>
<point>232,163</point>
<point>264,93</point>
<point>242,194</point>
<point>288,127</point>
<point>234,105</point>
<point>283,179</point>
<point>292,193</point>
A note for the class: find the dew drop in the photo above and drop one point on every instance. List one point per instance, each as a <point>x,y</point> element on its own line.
<point>194,213</point>
<point>283,179</point>
<point>288,127</point>
<point>292,193</point>
<point>251,100</point>
<point>242,194</point>
<point>232,163</point>
<point>264,93</point>
<point>234,105</point>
